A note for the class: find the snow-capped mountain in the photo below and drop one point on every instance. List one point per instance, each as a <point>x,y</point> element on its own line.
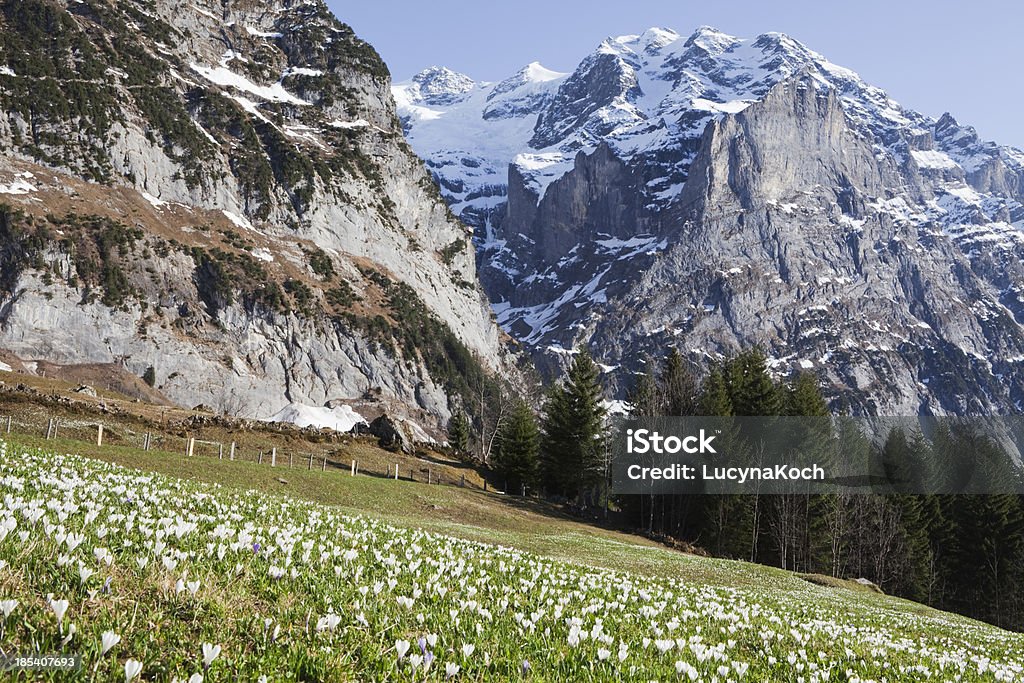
<point>715,192</point>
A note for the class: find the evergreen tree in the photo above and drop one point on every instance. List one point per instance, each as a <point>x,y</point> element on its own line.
<point>804,397</point>
<point>714,396</point>
<point>678,387</point>
<point>458,433</point>
<point>557,452</point>
<point>573,431</point>
<point>751,389</point>
<point>904,460</point>
<point>941,543</point>
<point>516,448</point>
<point>986,564</point>
<point>643,398</point>
<point>913,580</point>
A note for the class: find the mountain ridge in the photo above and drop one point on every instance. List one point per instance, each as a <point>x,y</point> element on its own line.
<point>624,131</point>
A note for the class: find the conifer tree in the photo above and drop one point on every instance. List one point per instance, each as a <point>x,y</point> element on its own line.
<point>751,388</point>
<point>714,396</point>
<point>516,447</point>
<point>804,397</point>
<point>678,387</point>
<point>643,398</point>
<point>573,431</point>
<point>458,433</point>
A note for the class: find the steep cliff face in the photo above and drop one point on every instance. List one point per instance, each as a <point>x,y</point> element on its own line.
<point>284,244</point>
<point>741,193</point>
<point>813,258</point>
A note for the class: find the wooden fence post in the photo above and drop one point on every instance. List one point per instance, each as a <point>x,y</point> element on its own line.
<point>428,476</point>
<point>220,451</point>
<point>353,468</point>
<point>99,435</point>
<point>463,484</point>
<point>273,456</point>
<point>324,468</point>
<point>8,424</point>
<point>290,457</point>
<point>49,428</point>
<point>396,471</point>
<point>310,462</point>
<point>259,461</point>
<point>231,455</point>
<point>191,446</point>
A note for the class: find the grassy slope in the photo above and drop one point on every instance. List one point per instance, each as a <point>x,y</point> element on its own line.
<point>487,517</point>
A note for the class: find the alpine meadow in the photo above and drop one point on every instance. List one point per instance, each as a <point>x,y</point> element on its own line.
<point>700,360</point>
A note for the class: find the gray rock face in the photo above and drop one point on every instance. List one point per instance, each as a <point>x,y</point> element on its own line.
<point>598,82</point>
<point>714,193</point>
<point>788,242</point>
<point>218,124</point>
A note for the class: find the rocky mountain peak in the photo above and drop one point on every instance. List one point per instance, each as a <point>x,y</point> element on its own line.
<point>710,40</point>
<point>440,85</point>
<point>650,42</point>
<point>717,192</point>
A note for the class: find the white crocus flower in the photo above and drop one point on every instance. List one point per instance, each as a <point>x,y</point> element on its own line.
<point>210,653</point>
<point>59,607</point>
<point>687,669</point>
<point>108,639</point>
<point>132,668</point>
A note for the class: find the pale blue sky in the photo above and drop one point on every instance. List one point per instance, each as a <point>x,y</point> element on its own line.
<point>962,57</point>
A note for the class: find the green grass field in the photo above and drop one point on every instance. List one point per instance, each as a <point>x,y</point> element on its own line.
<point>333,577</point>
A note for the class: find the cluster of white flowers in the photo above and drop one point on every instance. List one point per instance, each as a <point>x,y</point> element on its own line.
<point>378,601</point>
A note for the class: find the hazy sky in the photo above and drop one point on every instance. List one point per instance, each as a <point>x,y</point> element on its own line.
<point>961,57</point>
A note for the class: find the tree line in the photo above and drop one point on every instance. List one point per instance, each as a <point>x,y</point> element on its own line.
<point>962,553</point>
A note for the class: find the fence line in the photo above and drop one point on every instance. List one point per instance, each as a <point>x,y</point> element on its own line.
<point>100,434</point>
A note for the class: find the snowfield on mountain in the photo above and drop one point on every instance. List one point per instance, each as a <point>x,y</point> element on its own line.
<point>155,578</point>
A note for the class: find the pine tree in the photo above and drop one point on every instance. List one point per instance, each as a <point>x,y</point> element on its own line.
<point>557,450</point>
<point>714,396</point>
<point>516,448</point>
<point>941,544</point>
<point>904,460</point>
<point>804,397</point>
<point>915,547</point>
<point>751,389</point>
<point>458,433</point>
<point>643,398</point>
<point>573,442</point>
<point>678,387</point>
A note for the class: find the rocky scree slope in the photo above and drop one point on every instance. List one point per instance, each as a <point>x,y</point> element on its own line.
<point>715,193</point>
<point>221,191</point>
